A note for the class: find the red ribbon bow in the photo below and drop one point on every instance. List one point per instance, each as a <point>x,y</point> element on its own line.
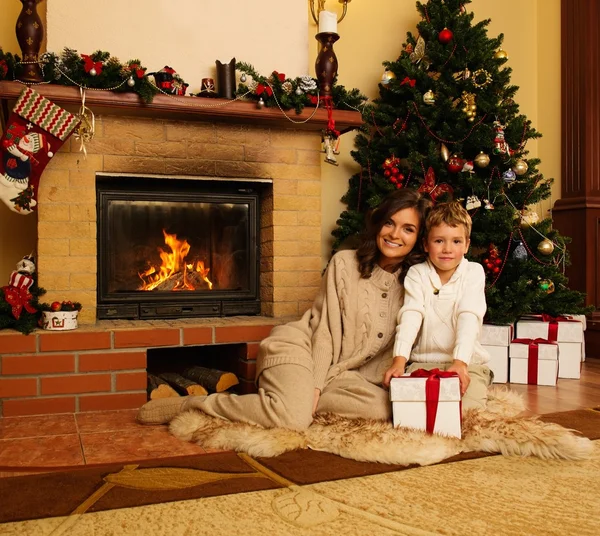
<point>139,71</point>
<point>552,323</point>
<point>434,190</point>
<point>264,88</point>
<point>89,64</point>
<point>410,81</point>
<point>432,392</point>
<point>281,76</point>
<point>18,298</point>
<point>533,357</point>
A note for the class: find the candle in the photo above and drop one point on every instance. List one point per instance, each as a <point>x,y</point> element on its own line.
<point>327,22</point>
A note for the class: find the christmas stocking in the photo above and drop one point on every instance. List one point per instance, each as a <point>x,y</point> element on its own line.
<point>36,129</point>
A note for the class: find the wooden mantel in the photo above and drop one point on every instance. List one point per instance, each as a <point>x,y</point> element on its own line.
<point>183,108</point>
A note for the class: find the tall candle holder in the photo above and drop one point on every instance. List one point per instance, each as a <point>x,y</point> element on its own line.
<point>326,65</point>
<point>30,33</point>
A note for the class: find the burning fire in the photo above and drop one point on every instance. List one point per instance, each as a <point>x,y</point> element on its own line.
<point>172,264</point>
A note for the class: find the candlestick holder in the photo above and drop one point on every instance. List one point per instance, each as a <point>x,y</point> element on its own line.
<point>30,33</point>
<point>326,64</point>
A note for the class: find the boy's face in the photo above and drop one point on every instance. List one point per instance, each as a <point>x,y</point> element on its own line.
<point>446,247</point>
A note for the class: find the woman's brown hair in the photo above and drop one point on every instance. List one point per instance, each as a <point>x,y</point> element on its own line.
<point>368,252</point>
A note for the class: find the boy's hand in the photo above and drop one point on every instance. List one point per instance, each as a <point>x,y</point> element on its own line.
<point>395,371</point>
<point>460,367</point>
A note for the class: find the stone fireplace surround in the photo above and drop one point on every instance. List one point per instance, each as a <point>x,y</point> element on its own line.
<point>102,364</point>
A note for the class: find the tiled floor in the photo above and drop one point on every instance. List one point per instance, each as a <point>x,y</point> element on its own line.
<point>49,442</point>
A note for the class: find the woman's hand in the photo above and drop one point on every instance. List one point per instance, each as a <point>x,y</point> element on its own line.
<point>395,371</point>
<point>316,400</point>
<point>461,368</point>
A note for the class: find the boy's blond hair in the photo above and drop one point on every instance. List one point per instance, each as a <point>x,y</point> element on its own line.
<point>452,214</point>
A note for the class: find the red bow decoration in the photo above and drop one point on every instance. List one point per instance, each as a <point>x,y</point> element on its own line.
<point>90,64</point>
<point>264,88</point>
<point>434,190</point>
<point>432,392</point>
<point>139,71</point>
<point>532,357</point>
<point>3,67</point>
<point>18,298</point>
<point>281,76</point>
<point>410,81</point>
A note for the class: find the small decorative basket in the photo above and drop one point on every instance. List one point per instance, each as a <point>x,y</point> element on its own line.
<point>59,320</point>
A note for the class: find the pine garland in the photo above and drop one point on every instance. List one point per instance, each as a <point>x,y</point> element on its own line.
<point>26,322</point>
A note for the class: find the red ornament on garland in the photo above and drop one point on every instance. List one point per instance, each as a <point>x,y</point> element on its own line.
<point>445,36</point>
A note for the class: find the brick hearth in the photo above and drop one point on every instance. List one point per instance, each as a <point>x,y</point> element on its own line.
<point>102,365</point>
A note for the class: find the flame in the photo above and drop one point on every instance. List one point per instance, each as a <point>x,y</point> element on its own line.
<point>172,263</point>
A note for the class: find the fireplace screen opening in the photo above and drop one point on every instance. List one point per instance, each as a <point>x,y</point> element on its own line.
<point>177,248</point>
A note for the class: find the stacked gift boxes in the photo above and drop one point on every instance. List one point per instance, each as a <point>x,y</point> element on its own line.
<point>430,403</point>
<point>533,361</point>
<point>566,332</point>
<point>496,340</point>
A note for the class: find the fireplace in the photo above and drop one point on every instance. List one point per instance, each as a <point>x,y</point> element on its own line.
<point>177,248</point>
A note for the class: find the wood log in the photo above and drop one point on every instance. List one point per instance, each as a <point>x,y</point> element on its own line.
<point>214,380</point>
<point>158,388</point>
<point>183,385</point>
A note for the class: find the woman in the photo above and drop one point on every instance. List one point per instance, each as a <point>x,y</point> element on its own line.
<point>334,358</point>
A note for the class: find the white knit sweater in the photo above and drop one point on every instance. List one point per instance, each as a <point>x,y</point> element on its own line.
<point>438,324</point>
<point>351,325</point>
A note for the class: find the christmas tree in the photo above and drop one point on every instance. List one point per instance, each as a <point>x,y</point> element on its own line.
<point>447,123</point>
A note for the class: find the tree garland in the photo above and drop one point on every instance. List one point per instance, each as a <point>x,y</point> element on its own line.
<point>102,72</point>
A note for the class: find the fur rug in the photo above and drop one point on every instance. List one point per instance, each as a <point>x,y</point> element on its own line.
<point>498,429</point>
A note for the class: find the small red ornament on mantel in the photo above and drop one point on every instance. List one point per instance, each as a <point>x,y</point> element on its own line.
<point>455,164</point>
<point>56,306</point>
<point>445,36</point>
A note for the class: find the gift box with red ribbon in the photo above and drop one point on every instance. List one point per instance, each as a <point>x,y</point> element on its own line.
<point>533,361</point>
<point>496,340</point>
<point>567,331</point>
<point>427,400</point>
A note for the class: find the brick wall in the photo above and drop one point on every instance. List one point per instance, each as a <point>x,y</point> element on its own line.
<point>103,367</point>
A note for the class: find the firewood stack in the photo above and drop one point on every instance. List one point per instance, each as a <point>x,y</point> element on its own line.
<point>192,380</point>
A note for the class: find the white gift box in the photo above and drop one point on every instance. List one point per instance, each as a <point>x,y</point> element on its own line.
<point>547,369</point>
<point>496,335</point>
<point>498,362</point>
<point>569,359</point>
<point>59,320</point>
<point>409,406</point>
<point>566,331</point>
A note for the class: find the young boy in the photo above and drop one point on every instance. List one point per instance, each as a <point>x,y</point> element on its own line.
<point>444,300</point>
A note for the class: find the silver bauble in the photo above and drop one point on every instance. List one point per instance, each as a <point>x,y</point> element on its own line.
<point>520,253</point>
<point>520,167</point>
<point>299,91</point>
<point>93,72</point>
<point>243,78</point>
<point>509,176</point>
<point>260,103</point>
<point>130,81</point>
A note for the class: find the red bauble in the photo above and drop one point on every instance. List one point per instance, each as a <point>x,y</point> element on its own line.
<point>56,306</point>
<point>400,176</point>
<point>395,171</point>
<point>387,173</point>
<point>454,164</point>
<point>445,36</point>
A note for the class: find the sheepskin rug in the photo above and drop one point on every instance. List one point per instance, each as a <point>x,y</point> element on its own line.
<point>498,429</point>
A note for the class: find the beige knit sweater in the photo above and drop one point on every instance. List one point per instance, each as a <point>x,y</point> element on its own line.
<point>351,325</point>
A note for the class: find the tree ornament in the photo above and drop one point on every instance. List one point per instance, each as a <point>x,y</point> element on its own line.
<point>130,81</point>
<point>488,205</point>
<point>520,167</point>
<point>299,91</point>
<point>547,286</point>
<point>493,262</point>
<point>454,164</point>
<point>93,71</point>
<point>429,98</point>
<point>546,247</point>
<point>482,160</point>
<point>509,176</point>
<point>500,145</point>
<point>528,218</point>
<point>501,54</point>
<point>434,190</point>
<point>469,106</point>
<point>445,36</point>
<point>418,56</point>
<point>520,253</point>
<point>473,202</point>
<point>444,152</point>
<point>387,77</point>
<point>260,104</point>
<point>481,78</point>
<point>243,78</point>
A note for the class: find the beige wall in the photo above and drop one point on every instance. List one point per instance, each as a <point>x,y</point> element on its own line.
<point>371,33</point>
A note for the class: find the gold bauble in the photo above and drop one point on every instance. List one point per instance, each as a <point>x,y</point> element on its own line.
<point>482,160</point>
<point>429,98</point>
<point>546,247</point>
<point>444,152</point>
<point>387,77</point>
<point>501,54</point>
<point>520,167</point>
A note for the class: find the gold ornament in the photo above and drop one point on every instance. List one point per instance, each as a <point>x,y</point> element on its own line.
<point>546,247</point>
<point>520,167</point>
<point>481,78</point>
<point>470,108</point>
<point>387,77</point>
<point>429,98</point>
<point>547,285</point>
<point>528,218</point>
<point>501,54</point>
<point>444,152</point>
<point>482,160</point>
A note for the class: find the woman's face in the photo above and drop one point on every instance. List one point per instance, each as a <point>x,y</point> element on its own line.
<point>397,237</point>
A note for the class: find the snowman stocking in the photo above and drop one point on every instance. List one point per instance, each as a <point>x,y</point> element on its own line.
<point>36,129</point>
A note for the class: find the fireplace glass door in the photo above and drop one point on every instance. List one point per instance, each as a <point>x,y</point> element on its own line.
<point>172,248</point>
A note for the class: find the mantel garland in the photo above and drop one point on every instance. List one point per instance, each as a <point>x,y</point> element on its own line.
<point>100,71</point>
